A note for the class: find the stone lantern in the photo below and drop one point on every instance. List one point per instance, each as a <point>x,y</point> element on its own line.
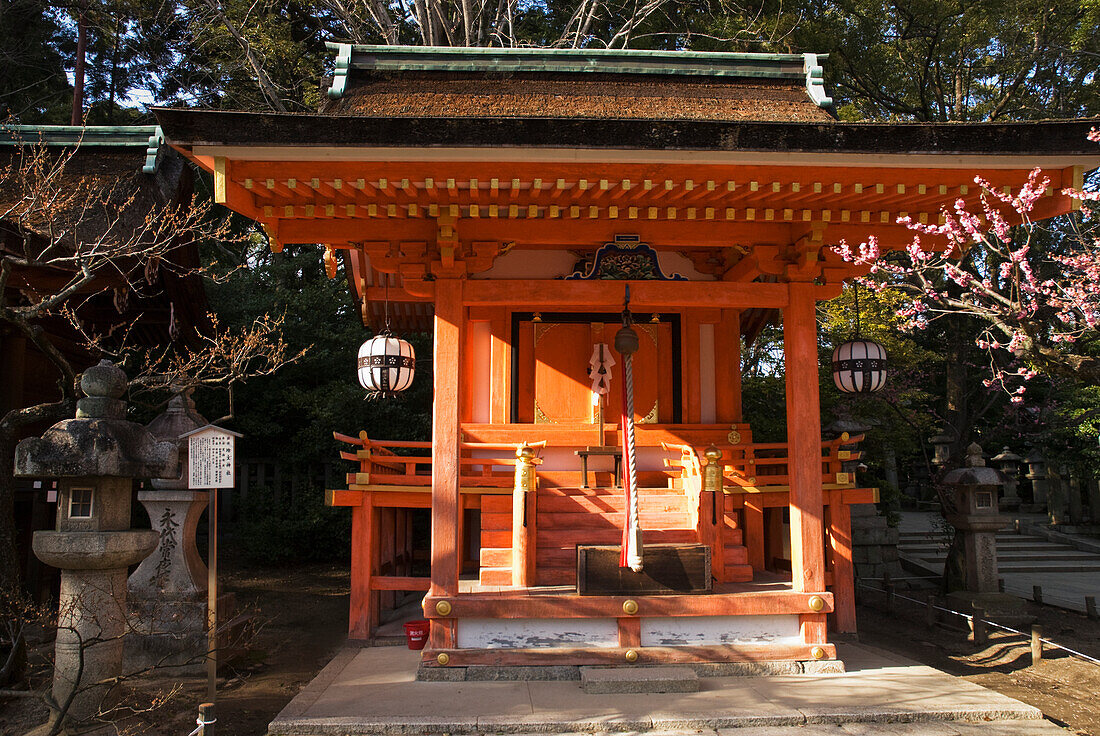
<point>168,589</point>
<point>96,456</point>
<point>976,517</point>
<point>941,449</point>
<point>1009,464</point>
<point>1037,474</point>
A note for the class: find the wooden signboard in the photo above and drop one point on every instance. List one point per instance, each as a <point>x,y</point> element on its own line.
<point>210,457</point>
<point>669,569</point>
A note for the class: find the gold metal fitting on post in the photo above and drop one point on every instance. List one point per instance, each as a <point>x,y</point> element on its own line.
<point>816,653</point>
<point>525,469</point>
<point>443,608</point>
<point>712,472</point>
<point>631,655</point>
<point>443,658</point>
<point>630,607</point>
<point>816,603</point>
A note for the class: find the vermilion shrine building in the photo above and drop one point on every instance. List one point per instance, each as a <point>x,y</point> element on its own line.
<point>503,199</point>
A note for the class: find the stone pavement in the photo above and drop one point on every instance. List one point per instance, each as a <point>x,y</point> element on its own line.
<point>373,691</point>
<point>1066,574</point>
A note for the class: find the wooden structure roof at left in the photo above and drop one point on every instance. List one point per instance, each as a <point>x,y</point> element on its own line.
<point>138,171</point>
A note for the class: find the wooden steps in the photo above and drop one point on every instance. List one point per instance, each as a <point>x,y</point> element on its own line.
<point>571,516</point>
<point>568,516</point>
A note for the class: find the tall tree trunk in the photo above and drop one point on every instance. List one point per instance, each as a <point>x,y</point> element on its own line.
<point>114,73</point>
<point>957,412</point>
<point>78,67</point>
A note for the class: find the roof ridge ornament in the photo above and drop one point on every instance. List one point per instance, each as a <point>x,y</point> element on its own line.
<point>153,151</point>
<point>732,65</point>
<point>340,76</point>
<point>815,80</point>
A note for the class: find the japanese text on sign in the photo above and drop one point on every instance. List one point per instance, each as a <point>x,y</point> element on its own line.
<point>210,460</point>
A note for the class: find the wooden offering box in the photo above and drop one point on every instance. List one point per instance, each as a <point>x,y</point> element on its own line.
<point>669,569</point>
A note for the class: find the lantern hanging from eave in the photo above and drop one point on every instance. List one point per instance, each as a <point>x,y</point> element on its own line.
<point>859,366</point>
<point>386,364</point>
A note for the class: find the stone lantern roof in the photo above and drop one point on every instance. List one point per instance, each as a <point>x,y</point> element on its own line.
<point>975,473</point>
<point>100,441</point>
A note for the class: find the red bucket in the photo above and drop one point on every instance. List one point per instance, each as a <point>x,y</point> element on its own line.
<point>416,634</point>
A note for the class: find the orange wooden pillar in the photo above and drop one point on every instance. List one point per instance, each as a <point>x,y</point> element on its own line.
<point>840,547</point>
<point>804,451</point>
<point>360,621</point>
<point>446,432</point>
<point>727,367</point>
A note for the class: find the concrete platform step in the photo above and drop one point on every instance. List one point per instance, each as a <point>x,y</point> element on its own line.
<point>1007,537</point>
<point>374,690</point>
<point>1014,556</point>
<point>1009,567</point>
<point>1012,567</point>
<point>604,680</point>
<point>1001,547</point>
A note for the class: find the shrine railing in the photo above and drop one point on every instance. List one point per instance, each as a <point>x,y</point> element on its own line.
<point>748,467</point>
<point>408,464</point>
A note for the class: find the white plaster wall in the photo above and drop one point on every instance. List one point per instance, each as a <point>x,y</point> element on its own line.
<point>708,412</point>
<point>480,345</point>
<point>524,633</point>
<point>672,262</point>
<point>692,630</point>
<point>530,264</point>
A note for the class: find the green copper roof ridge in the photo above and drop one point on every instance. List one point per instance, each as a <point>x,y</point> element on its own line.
<point>537,51</point>
<point>150,137</point>
<point>721,64</point>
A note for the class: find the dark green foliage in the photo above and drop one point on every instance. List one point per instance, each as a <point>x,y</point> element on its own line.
<point>291,415</point>
<point>33,45</point>
<point>280,531</point>
<point>956,60</point>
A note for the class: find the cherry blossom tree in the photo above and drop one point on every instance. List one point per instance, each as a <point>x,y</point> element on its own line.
<point>1034,290</point>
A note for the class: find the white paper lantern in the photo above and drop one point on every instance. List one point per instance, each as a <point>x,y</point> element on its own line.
<point>386,364</point>
<point>859,367</point>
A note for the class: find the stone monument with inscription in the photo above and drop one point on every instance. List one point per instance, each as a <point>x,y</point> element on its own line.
<point>168,589</point>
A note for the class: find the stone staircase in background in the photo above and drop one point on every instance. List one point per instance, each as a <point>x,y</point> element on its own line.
<point>1016,553</point>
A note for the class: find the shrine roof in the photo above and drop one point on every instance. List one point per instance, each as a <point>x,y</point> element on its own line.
<point>951,144</point>
<point>121,138</point>
<point>404,81</point>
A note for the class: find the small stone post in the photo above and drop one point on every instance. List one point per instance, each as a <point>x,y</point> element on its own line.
<point>1037,474</point>
<point>96,456</point>
<point>1076,507</point>
<point>1009,464</point>
<point>1094,500</point>
<point>168,589</point>
<point>1058,495</point>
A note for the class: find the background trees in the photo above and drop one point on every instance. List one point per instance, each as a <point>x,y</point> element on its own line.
<point>906,60</point>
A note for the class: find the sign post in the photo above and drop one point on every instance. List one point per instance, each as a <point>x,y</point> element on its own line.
<point>211,465</point>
